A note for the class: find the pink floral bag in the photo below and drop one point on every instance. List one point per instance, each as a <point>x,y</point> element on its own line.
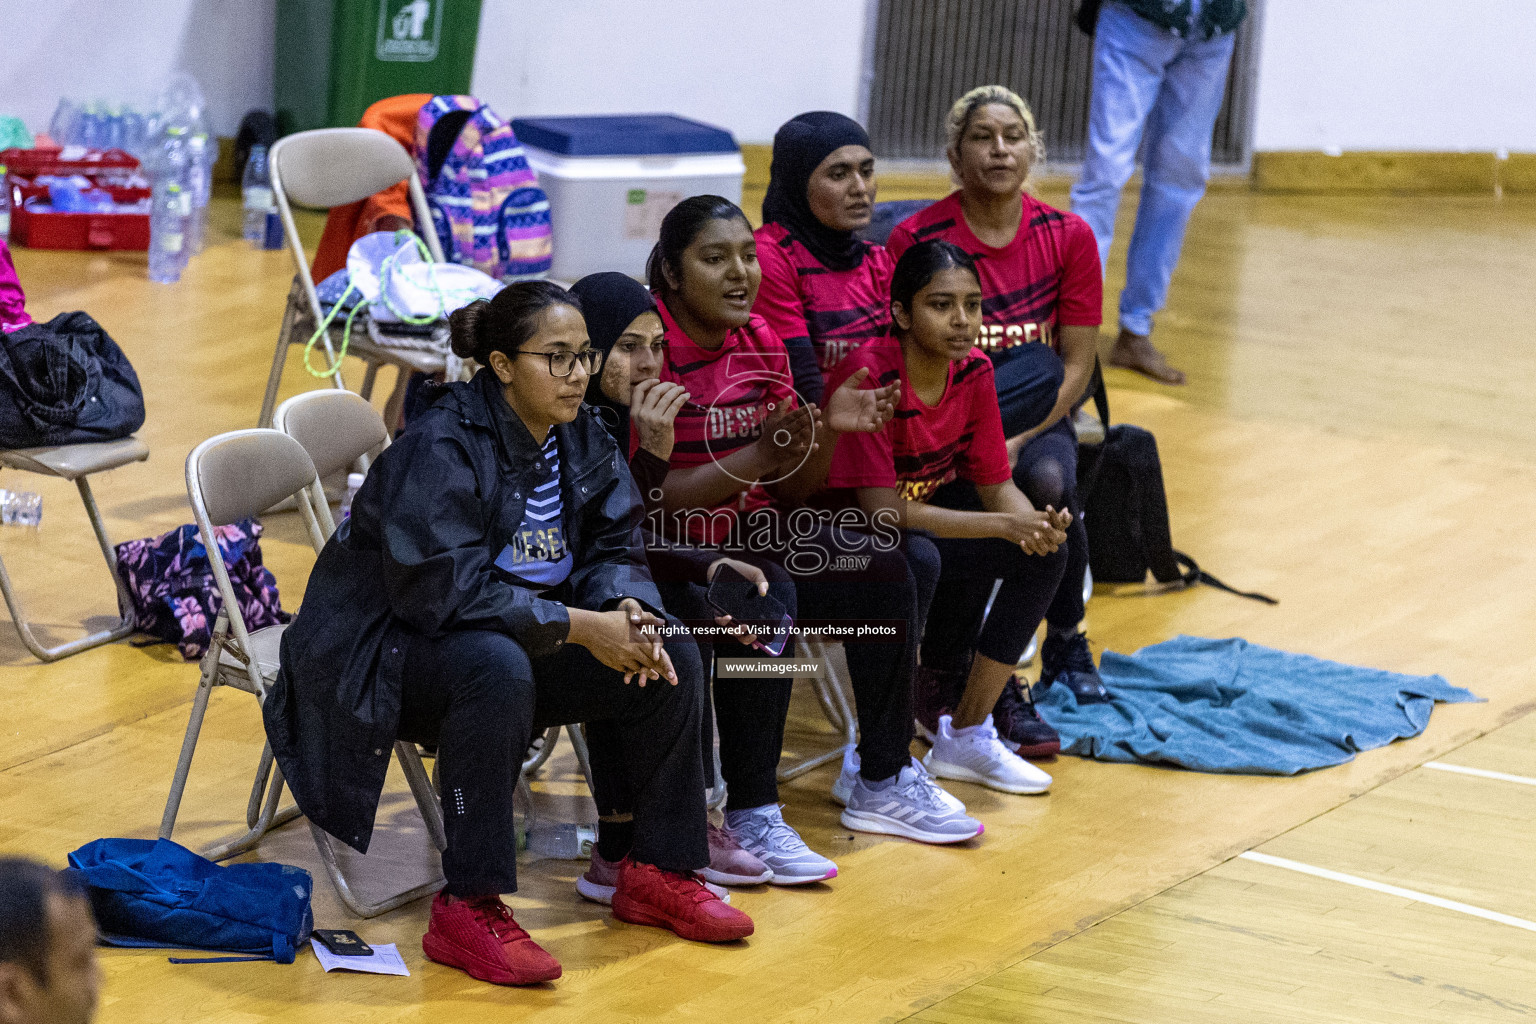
<point>175,596</point>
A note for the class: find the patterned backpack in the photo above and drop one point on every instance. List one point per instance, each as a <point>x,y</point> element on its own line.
<point>486,204</point>
<point>175,596</point>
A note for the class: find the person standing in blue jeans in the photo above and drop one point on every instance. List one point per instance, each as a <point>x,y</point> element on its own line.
<point>1159,74</point>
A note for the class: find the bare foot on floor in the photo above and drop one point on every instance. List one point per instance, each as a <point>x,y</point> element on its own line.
<point>1136,352</point>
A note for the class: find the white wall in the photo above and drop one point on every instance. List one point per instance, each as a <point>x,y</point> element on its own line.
<point>122,51</point>
<point>1345,74</point>
<point>1397,75</point>
<point>744,65</point>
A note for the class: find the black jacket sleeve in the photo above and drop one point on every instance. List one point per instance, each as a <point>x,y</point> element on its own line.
<point>611,565</point>
<point>437,568</point>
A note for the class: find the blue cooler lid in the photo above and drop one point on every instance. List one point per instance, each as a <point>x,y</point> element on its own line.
<point>622,135</point>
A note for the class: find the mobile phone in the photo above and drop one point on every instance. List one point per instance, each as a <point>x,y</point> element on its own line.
<point>733,594</point>
<point>342,943</point>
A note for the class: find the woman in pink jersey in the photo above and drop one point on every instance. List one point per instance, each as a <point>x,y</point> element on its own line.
<point>941,466</point>
<point>741,437</point>
<point>824,289</point>
<point>1041,286</point>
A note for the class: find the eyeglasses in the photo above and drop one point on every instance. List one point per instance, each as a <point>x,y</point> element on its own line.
<point>561,363</point>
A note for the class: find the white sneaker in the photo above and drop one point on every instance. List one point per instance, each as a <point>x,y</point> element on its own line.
<point>763,832</point>
<point>977,755</point>
<point>842,789</point>
<point>910,805</point>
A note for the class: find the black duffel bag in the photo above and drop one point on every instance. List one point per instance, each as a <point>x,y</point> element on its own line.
<point>66,382</point>
<point>1125,509</point>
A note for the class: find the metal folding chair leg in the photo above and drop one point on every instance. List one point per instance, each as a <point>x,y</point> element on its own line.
<point>295,318</point>
<point>423,791</point>
<point>261,813</point>
<point>532,765</point>
<point>360,907</point>
<point>432,816</point>
<point>583,758</point>
<point>834,704</point>
<point>189,740</point>
<point>84,643</point>
<point>265,776</point>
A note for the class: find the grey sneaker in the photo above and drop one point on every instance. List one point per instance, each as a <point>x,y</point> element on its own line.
<point>913,806</point>
<point>849,776</point>
<point>763,832</point>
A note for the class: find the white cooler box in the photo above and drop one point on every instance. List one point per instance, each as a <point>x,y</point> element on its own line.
<point>611,179</point>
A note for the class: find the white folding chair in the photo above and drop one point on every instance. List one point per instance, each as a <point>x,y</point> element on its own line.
<point>74,462</point>
<point>231,477</point>
<point>332,167</point>
<point>833,697</point>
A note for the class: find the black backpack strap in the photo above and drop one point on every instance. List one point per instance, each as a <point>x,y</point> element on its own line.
<point>1193,574</point>
<point>1089,478</point>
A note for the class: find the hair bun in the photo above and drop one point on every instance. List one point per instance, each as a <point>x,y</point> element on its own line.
<point>466,327</point>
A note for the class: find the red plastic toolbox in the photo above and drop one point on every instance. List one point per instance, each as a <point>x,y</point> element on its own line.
<point>111,169</point>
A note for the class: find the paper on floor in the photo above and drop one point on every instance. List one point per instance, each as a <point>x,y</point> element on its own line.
<point>385,960</point>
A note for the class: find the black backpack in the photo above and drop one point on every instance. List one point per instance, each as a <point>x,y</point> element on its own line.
<point>66,382</point>
<point>1125,509</point>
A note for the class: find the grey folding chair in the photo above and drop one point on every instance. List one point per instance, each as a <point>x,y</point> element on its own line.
<point>332,167</point>
<point>231,477</point>
<point>74,462</point>
<point>832,694</point>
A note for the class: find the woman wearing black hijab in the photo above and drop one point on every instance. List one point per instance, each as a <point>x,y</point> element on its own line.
<point>825,291</point>
<point>639,410</point>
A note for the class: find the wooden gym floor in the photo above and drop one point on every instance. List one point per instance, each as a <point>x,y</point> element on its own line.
<point>1356,441</point>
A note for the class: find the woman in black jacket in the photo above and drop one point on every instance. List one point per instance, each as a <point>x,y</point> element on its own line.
<point>491,582</point>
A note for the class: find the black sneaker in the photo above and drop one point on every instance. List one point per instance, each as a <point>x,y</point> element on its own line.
<point>935,692</point>
<point>1069,662</point>
<point>1019,724</point>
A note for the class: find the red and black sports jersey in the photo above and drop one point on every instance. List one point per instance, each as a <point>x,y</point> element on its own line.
<point>730,391</point>
<point>1048,275</point>
<point>838,310</point>
<point>923,446</point>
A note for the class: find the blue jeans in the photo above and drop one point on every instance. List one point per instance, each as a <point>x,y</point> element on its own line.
<point>1149,82</point>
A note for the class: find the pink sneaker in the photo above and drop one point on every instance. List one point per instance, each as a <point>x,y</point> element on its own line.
<point>729,864</point>
<point>602,879</point>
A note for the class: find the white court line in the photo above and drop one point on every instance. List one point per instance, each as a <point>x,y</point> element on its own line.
<point>1482,773</point>
<point>1390,890</point>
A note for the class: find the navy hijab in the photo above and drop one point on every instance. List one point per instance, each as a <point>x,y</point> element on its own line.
<point>798,148</point>
<point>610,302</point>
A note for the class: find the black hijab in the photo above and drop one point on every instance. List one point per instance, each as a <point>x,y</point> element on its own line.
<point>798,148</point>
<point>609,303</point>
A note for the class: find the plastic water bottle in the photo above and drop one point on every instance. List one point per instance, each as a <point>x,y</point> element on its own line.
<point>354,483</point>
<point>21,508</point>
<point>256,194</point>
<point>199,189</point>
<point>168,231</point>
<point>562,840</point>
<point>61,127</point>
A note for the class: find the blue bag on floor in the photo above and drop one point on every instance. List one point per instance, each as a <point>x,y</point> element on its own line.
<point>153,892</point>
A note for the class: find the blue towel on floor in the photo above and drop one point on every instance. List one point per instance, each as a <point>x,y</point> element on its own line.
<point>1235,707</point>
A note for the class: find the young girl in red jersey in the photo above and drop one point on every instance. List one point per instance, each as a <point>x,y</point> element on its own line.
<point>1040,283</point>
<point>741,437</point>
<point>942,467</point>
<point>824,289</point>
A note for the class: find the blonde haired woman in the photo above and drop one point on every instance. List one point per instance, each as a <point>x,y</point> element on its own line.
<point>1042,295</point>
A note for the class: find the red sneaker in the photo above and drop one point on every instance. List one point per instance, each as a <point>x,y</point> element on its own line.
<point>480,938</point>
<point>648,895</point>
